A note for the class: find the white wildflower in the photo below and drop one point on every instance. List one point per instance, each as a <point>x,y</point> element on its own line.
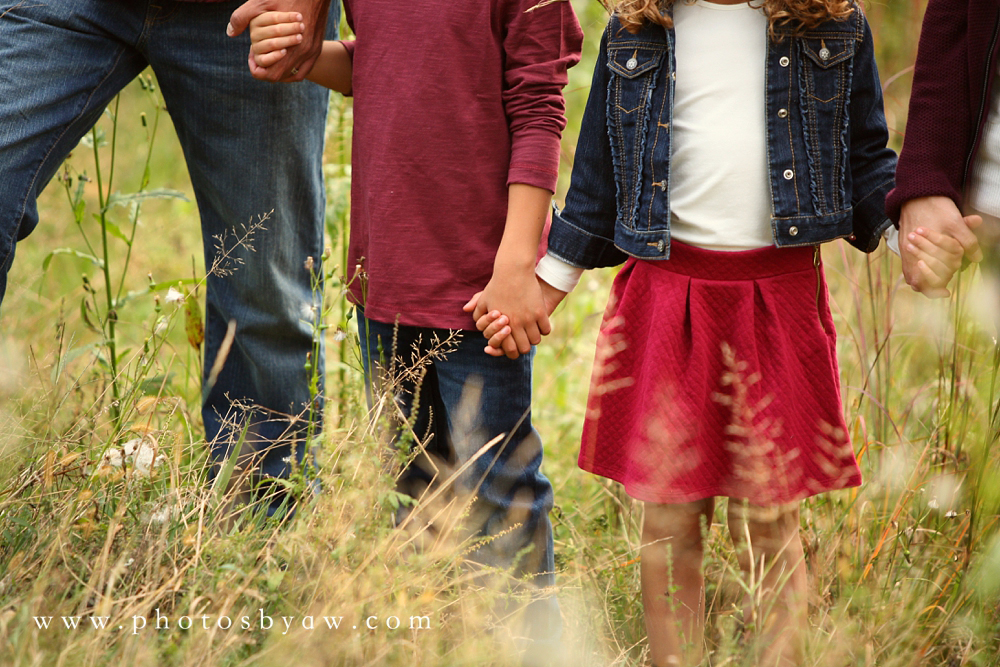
<point>950,514</point>
<point>141,453</point>
<point>161,515</point>
<point>309,312</point>
<point>174,296</point>
<point>310,263</point>
<point>933,503</point>
<point>113,457</point>
<point>339,335</point>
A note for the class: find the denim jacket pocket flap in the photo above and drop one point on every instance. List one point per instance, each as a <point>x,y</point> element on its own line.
<point>827,52</point>
<point>632,61</point>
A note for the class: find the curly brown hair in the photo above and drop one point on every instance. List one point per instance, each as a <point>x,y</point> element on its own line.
<point>784,16</point>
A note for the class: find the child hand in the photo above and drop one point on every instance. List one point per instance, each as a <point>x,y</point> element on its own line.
<point>939,256</point>
<point>514,291</point>
<point>493,325</point>
<point>271,34</point>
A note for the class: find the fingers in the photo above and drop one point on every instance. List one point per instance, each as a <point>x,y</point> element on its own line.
<point>471,305</point>
<point>276,37</point>
<point>275,44</point>
<point>266,59</point>
<point>479,309</point>
<point>241,17</point>
<point>940,272</point>
<point>277,19</point>
<point>510,348</point>
<point>932,288</point>
<point>493,351</point>
<point>521,340</point>
<point>271,34</point>
<point>973,221</point>
<point>494,317</point>
<point>931,239</point>
<point>494,327</point>
<point>496,339</point>
<point>279,34</point>
<point>544,326</point>
<point>969,241</point>
<point>942,253</point>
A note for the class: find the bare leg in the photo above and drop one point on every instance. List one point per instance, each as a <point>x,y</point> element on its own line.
<point>673,584</point>
<point>769,551</point>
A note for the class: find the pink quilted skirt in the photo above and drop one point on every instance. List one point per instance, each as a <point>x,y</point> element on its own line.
<point>716,375</point>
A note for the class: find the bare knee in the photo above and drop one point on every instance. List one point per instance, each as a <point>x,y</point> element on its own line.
<point>679,525</point>
<point>771,531</point>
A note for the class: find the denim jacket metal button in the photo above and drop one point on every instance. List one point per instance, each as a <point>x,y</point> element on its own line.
<point>829,167</point>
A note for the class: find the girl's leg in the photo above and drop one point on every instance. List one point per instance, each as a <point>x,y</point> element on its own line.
<point>673,584</point>
<point>769,551</point>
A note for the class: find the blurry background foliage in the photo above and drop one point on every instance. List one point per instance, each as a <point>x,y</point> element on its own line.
<point>103,507</point>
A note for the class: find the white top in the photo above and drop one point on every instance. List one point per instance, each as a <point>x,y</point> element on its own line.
<point>720,197</point>
<point>719,192</point>
<point>982,191</point>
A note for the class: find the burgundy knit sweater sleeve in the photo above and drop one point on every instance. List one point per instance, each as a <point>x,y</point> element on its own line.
<point>540,43</point>
<point>939,125</point>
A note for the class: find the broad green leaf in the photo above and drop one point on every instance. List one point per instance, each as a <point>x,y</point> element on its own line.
<point>99,263</point>
<point>193,324</point>
<point>118,199</point>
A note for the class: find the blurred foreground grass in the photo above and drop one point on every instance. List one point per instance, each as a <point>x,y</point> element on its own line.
<point>903,571</point>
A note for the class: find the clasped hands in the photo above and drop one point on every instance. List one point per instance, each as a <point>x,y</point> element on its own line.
<point>935,242</point>
<point>513,312</point>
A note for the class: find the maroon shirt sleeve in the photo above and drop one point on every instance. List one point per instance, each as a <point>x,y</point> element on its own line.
<point>939,124</point>
<point>541,42</point>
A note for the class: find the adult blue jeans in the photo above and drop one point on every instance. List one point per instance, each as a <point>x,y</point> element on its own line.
<point>455,401</point>
<point>251,148</point>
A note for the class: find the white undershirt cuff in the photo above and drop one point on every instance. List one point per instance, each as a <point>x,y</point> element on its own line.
<point>559,274</point>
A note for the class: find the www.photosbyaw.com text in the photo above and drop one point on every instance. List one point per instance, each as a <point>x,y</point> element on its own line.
<point>259,621</point>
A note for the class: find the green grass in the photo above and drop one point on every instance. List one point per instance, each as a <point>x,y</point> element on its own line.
<point>903,571</point>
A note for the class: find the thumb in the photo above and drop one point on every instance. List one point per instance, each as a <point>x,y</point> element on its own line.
<point>973,221</point>
<point>241,17</point>
<point>472,303</point>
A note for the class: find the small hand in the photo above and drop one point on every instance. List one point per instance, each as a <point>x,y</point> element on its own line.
<point>938,258</point>
<point>271,34</point>
<point>939,215</point>
<point>299,58</point>
<point>494,324</point>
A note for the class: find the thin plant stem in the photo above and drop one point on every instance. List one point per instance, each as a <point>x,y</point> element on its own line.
<point>111,316</point>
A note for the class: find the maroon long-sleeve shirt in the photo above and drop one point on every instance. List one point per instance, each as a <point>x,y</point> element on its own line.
<point>952,82</point>
<point>453,101</point>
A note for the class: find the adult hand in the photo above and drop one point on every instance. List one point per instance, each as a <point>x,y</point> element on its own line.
<point>933,215</point>
<point>299,59</point>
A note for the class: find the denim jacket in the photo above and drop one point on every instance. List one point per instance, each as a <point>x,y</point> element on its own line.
<point>828,165</point>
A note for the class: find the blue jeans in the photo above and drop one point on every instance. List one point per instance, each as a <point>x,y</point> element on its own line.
<point>455,404</point>
<point>251,147</point>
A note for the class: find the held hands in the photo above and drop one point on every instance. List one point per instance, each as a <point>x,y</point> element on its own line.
<point>271,35</point>
<point>295,59</point>
<point>496,324</point>
<point>934,240</point>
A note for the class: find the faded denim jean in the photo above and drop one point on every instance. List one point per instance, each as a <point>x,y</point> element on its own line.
<point>455,404</point>
<point>251,147</point>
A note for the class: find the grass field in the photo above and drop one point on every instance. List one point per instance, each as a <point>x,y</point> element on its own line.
<point>904,571</point>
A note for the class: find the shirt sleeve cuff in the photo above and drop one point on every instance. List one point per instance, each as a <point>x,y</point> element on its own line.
<point>891,236</point>
<point>559,274</point>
